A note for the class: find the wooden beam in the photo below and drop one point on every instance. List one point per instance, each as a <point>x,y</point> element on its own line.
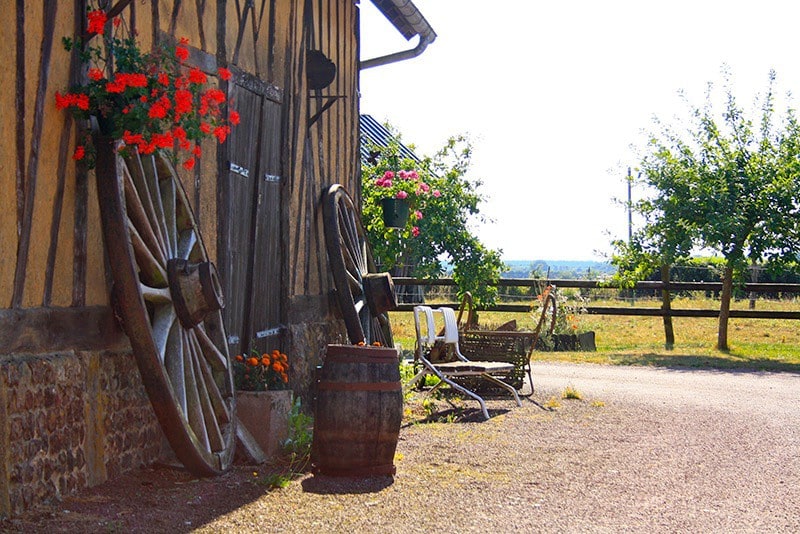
<point>42,330</point>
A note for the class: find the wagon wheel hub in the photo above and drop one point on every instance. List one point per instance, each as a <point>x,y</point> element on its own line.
<point>195,290</point>
<point>379,290</point>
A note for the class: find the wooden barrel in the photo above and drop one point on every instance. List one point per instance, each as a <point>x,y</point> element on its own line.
<point>358,412</point>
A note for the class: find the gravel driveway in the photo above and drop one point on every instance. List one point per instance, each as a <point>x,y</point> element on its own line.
<point>645,450</point>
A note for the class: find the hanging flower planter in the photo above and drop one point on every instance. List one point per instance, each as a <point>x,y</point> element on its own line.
<point>395,212</point>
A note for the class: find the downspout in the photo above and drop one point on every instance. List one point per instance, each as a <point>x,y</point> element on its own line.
<point>404,16</point>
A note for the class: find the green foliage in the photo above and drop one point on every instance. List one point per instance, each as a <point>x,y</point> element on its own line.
<point>443,201</point>
<point>297,446</point>
<point>296,449</point>
<point>725,185</point>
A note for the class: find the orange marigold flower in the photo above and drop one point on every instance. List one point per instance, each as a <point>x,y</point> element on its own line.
<point>360,343</point>
<point>265,361</point>
<point>80,152</point>
<point>284,377</point>
<point>224,73</point>
<point>251,361</point>
<point>277,367</point>
<point>97,20</point>
<point>239,358</point>
<point>95,74</point>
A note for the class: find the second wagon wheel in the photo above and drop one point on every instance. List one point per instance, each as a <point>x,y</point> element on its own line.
<point>547,320</point>
<point>364,296</point>
<point>169,298</point>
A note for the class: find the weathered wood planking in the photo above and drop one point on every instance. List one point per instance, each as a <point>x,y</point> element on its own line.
<point>51,252</point>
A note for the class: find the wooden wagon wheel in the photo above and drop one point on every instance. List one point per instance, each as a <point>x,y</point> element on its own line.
<point>364,296</point>
<point>547,320</point>
<point>168,297</point>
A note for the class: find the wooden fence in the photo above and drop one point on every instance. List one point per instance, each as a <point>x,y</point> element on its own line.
<point>767,289</point>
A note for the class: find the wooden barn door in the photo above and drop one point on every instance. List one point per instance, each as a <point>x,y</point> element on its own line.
<point>251,255</point>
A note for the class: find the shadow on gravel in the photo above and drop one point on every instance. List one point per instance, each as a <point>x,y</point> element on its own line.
<point>325,485</point>
<point>692,362</point>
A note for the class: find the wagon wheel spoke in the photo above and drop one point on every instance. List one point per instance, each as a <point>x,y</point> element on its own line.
<point>169,298</point>
<point>350,261</point>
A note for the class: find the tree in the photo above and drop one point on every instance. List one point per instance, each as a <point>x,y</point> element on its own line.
<point>443,202</point>
<point>721,185</point>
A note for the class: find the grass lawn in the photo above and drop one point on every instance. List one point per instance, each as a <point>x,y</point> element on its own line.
<point>762,344</point>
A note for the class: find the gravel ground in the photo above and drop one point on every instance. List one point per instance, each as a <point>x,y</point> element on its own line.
<point>644,450</point>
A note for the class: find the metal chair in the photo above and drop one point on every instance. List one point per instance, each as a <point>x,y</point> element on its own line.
<point>424,317</point>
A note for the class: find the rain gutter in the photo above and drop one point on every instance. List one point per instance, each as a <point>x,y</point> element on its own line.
<point>404,16</point>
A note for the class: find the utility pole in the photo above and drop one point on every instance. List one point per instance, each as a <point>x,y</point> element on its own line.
<point>630,225</point>
<point>630,208</point>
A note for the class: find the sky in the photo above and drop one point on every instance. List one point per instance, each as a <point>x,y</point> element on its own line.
<point>557,98</point>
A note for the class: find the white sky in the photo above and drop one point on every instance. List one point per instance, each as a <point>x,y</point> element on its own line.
<point>554,94</point>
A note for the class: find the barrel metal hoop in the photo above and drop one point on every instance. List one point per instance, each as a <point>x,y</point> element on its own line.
<point>345,358</point>
<point>326,385</point>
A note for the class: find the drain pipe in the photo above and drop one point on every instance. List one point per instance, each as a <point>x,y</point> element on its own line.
<point>404,16</point>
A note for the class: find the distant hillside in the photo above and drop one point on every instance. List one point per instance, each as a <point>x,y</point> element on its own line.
<point>558,269</point>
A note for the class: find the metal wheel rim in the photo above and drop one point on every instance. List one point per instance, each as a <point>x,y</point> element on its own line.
<point>350,259</point>
<point>148,225</point>
<point>548,318</point>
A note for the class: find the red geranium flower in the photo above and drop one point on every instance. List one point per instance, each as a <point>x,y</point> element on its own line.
<point>181,52</point>
<point>97,21</point>
<point>197,76</point>
<point>221,133</point>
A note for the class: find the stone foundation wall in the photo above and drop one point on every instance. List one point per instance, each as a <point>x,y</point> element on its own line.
<point>70,420</point>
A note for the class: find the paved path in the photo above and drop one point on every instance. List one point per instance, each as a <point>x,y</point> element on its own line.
<point>767,394</point>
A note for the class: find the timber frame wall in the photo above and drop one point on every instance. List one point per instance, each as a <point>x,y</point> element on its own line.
<point>73,411</point>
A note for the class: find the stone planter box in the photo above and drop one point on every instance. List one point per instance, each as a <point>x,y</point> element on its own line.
<point>265,414</point>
